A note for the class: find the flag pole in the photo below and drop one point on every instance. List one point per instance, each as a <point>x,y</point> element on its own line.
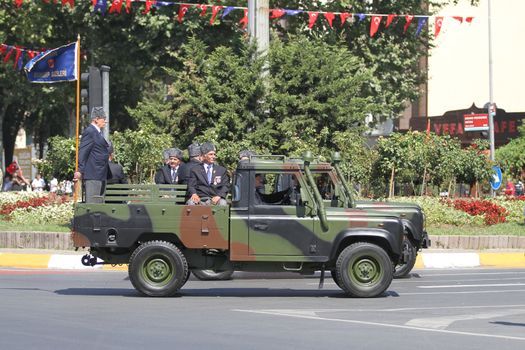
<point>77,183</point>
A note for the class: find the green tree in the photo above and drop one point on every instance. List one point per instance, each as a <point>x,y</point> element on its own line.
<point>512,155</point>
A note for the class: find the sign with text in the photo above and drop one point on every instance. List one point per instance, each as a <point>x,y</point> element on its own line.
<point>23,157</point>
<point>476,122</point>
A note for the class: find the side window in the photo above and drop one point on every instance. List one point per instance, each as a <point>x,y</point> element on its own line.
<point>275,189</point>
<point>324,185</point>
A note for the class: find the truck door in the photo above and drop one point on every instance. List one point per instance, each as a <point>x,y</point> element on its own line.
<point>277,226</point>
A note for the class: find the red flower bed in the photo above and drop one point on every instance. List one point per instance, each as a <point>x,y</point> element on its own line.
<point>7,209</point>
<point>494,214</point>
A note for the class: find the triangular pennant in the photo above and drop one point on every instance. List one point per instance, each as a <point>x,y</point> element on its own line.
<point>31,54</point>
<point>182,11</point>
<point>312,17</point>
<point>203,8</point>
<point>420,24</point>
<point>100,5</point>
<point>408,19</point>
<point>3,48</point>
<point>6,58</point>
<point>116,6</point>
<point>17,56</point>
<point>20,61</point>
<point>361,16</point>
<point>374,24</point>
<point>389,20</point>
<point>71,3</point>
<point>244,20</point>
<point>277,13</point>
<point>149,4</point>
<point>19,3</point>
<point>438,23</point>
<point>469,19</point>
<point>214,11</point>
<point>344,16</point>
<point>458,18</point>
<point>329,17</point>
<point>128,6</point>
<point>227,11</point>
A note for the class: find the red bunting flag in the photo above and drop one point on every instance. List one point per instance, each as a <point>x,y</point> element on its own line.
<point>19,3</point>
<point>17,57</point>
<point>344,16</point>
<point>71,3</point>
<point>277,13</point>
<point>469,19</point>
<point>408,19</point>
<point>149,4</point>
<point>3,47</point>
<point>312,18</point>
<point>128,6</point>
<point>6,58</point>
<point>203,8</point>
<point>32,54</point>
<point>374,24</point>
<point>458,18</point>
<point>437,25</point>
<point>244,20</point>
<point>94,2</point>
<point>329,17</point>
<point>389,20</point>
<point>214,11</point>
<point>182,11</point>
<point>116,6</point>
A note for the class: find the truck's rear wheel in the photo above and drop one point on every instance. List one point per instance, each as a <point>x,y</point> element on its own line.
<point>212,275</point>
<point>157,269</point>
<point>402,270</point>
<point>364,270</point>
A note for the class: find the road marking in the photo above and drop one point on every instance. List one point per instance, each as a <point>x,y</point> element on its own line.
<point>473,285</point>
<point>303,315</point>
<point>466,292</point>
<point>443,322</point>
<point>426,274</point>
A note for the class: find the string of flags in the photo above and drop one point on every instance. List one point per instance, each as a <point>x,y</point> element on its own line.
<point>116,7</point>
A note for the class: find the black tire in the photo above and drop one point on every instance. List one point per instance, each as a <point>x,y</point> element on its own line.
<point>364,270</point>
<point>403,270</point>
<point>212,275</point>
<point>157,269</point>
<point>334,277</point>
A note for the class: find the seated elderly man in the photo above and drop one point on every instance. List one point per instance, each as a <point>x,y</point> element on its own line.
<point>169,174</point>
<point>209,183</point>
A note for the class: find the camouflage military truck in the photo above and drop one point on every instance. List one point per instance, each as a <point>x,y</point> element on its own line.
<point>294,229</point>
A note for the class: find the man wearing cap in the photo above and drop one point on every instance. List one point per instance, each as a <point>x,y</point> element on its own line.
<point>209,183</point>
<point>169,174</point>
<point>93,157</point>
<point>194,151</point>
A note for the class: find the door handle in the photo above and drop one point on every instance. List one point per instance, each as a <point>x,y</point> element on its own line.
<point>260,227</point>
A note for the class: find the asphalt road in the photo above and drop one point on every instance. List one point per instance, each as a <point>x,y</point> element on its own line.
<point>434,309</point>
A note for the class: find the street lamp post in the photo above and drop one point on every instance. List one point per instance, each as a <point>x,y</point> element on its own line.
<point>491,106</point>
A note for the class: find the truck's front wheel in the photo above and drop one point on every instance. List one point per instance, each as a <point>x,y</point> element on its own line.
<point>157,269</point>
<point>364,270</point>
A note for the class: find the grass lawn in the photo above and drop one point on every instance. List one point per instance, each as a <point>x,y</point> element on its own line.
<point>9,226</point>
<point>509,228</point>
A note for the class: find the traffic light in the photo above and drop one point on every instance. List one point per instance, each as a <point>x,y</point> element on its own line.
<point>92,95</point>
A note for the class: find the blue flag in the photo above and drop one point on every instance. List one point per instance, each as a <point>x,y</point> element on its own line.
<point>54,65</point>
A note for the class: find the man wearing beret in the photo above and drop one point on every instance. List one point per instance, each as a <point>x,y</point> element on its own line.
<point>169,173</point>
<point>93,157</point>
<point>209,183</point>
<point>194,151</point>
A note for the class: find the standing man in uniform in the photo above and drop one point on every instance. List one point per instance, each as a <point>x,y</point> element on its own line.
<point>93,157</point>
<point>169,174</point>
<point>209,183</point>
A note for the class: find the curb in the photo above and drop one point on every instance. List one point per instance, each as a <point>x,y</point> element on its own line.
<point>424,260</point>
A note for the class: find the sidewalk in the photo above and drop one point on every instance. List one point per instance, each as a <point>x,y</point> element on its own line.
<point>429,258</point>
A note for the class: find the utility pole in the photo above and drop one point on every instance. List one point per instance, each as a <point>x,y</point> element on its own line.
<point>259,23</point>
<point>491,107</point>
<point>105,97</point>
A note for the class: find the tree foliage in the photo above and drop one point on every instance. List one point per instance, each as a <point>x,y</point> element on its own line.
<point>512,155</point>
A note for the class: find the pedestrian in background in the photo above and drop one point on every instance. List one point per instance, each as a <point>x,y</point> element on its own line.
<point>117,172</point>
<point>38,183</point>
<point>93,157</point>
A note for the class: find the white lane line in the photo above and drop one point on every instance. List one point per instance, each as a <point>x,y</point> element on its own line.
<point>466,292</point>
<point>419,280</point>
<point>471,273</point>
<point>317,318</point>
<point>472,285</point>
<point>443,322</point>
